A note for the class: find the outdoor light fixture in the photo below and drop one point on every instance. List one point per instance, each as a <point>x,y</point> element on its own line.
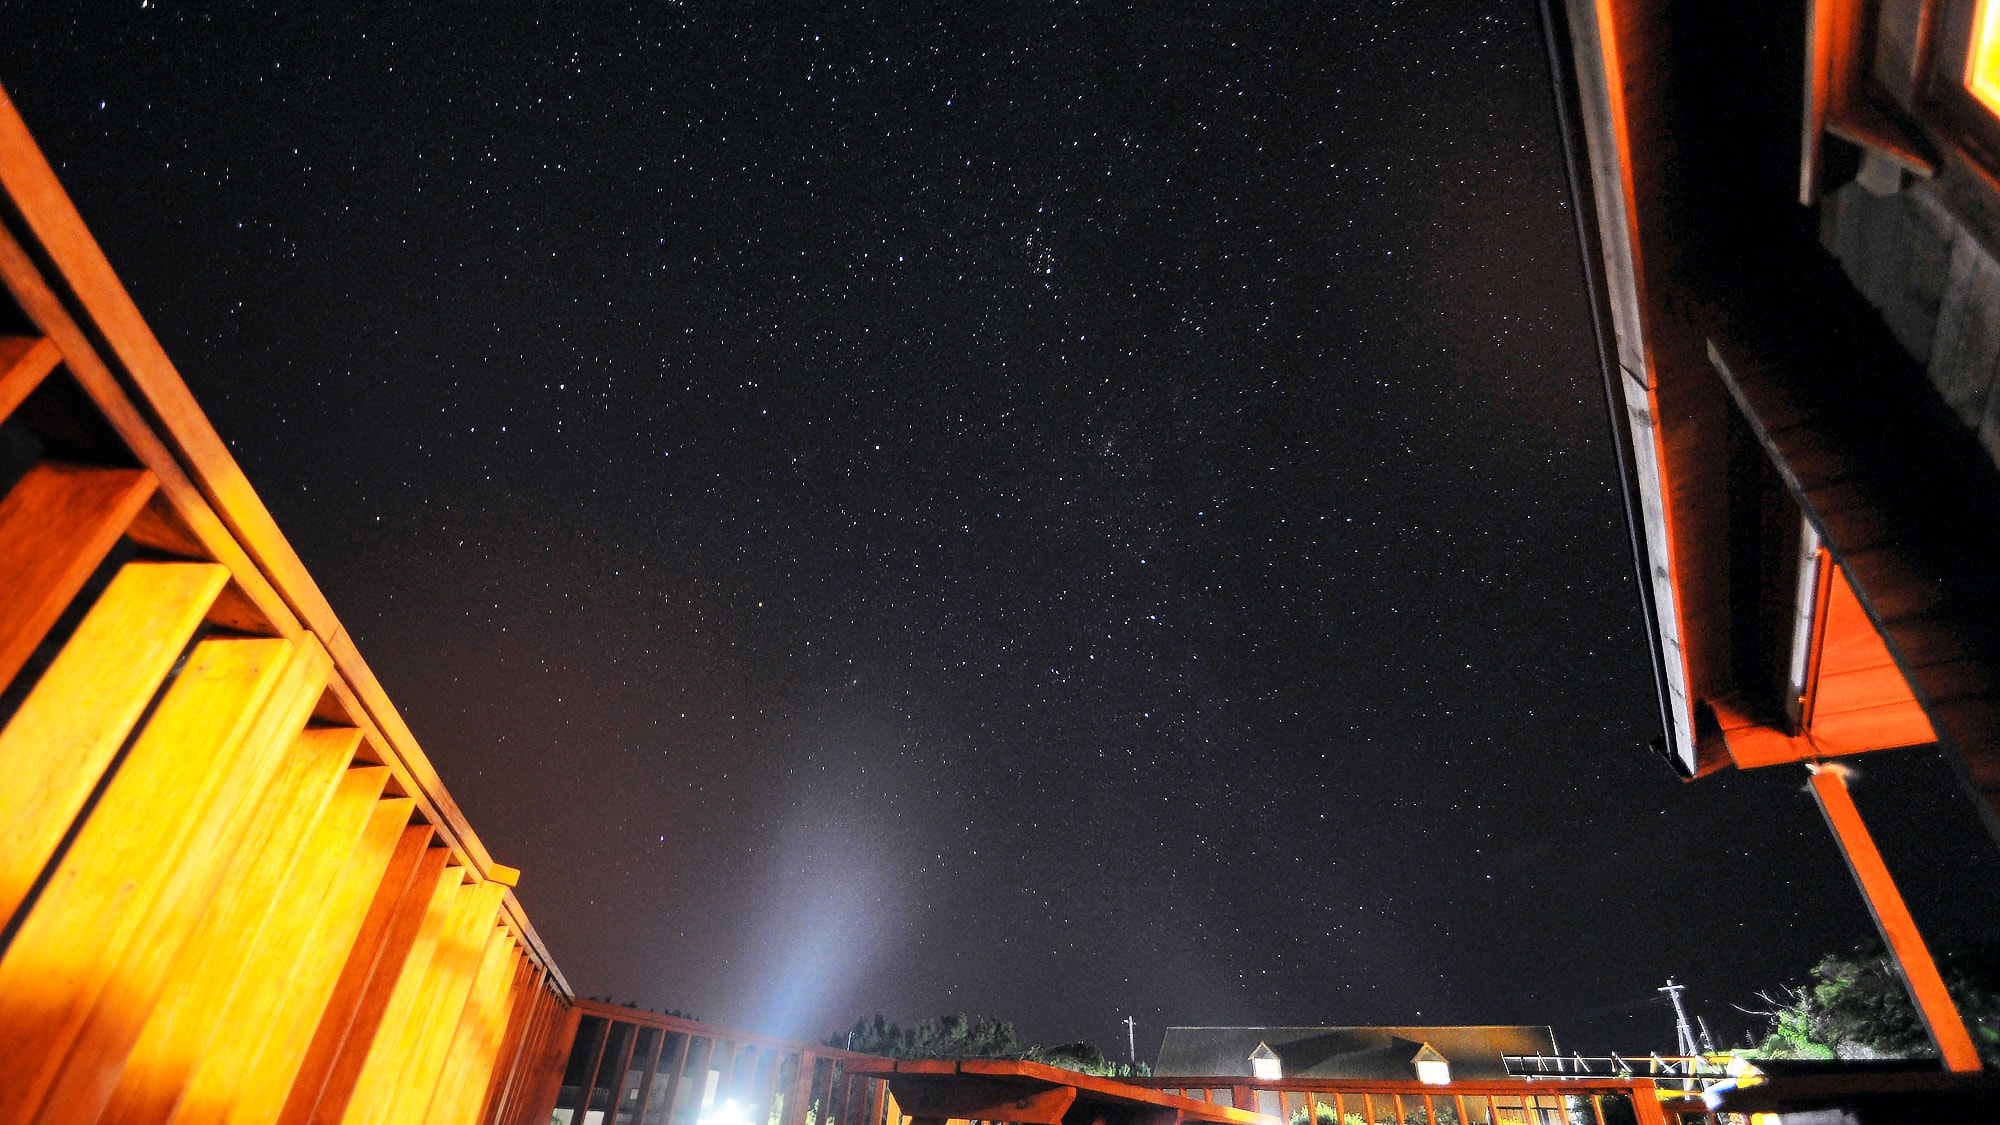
<point>1433,1069</point>
<point>1982,63</point>
<point>1264,1063</point>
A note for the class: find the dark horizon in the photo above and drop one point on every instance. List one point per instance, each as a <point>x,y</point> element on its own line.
<point>1053,518</point>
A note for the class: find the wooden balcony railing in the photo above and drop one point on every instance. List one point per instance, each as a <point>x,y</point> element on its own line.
<point>233,891</point>
<point>1521,1101</point>
<point>628,1066</point>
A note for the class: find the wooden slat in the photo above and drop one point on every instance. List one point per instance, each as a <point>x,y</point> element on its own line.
<point>24,362</point>
<point>544,1073</point>
<point>475,1045</point>
<point>521,1009</point>
<point>353,1013</point>
<point>127,857</point>
<point>377,1062</point>
<point>536,1079</point>
<point>55,527</point>
<point>247,1073</point>
<point>104,1042</point>
<point>454,965</point>
<point>228,935</point>
<point>470,1052</point>
<point>64,734</point>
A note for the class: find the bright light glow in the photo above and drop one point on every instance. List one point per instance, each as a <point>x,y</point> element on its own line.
<point>1982,62</point>
<point>730,1112</point>
<point>1433,1072</point>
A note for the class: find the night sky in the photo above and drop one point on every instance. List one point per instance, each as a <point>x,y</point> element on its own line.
<point>1062,511</point>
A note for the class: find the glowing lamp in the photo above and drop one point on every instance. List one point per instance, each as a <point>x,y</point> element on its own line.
<point>1264,1063</point>
<point>1433,1069</point>
<point>1982,62</point>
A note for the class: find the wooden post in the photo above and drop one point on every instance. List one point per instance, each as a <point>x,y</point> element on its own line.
<point>1892,918</point>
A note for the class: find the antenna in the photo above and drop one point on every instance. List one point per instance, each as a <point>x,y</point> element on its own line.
<point>1132,1040</point>
<point>1688,1045</point>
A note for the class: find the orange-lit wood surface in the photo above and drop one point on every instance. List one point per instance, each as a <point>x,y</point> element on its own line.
<point>1855,698</point>
<point>1892,917</point>
<point>233,891</point>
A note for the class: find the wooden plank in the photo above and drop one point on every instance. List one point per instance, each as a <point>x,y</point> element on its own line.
<point>521,1016</point>
<point>368,979</point>
<point>114,1025</point>
<point>248,1073</point>
<point>1872,728</point>
<point>362,1083</point>
<point>531,1007</point>
<point>24,362</point>
<point>454,966</point>
<point>65,733</point>
<point>127,862</point>
<point>209,971</point>
<point>538,1095</point>
<point>476,1042</point>
<point>1913,958</point>
<point>56,525</point>
<point>1862,688</point>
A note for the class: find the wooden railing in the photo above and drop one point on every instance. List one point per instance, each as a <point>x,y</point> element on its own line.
<point>1521,1101</point>
<point>233,891</point>
<point>628,1066</point>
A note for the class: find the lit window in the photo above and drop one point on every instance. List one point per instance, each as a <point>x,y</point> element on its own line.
<point>1264,1063</point>
<point>1982,63</point>
<point>1433,1069</point>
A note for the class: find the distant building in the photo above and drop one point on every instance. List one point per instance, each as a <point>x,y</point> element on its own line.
<point>1433,1055</point>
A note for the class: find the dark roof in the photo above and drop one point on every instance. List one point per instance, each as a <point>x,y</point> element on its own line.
<point>1372,1053</point>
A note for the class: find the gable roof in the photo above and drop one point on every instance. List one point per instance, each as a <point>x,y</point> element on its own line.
<point>1369,1053</point>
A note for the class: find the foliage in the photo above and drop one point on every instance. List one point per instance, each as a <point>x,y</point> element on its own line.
<point>946,1037</point>
<point>1856,1007</point>
<point>984,1037</point>
<point>1086,1059</point>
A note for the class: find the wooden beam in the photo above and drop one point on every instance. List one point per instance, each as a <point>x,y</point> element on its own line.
<point>24,362</point>
<point>56,525</point>
<point>59,742</point>
<point>1892,918</point>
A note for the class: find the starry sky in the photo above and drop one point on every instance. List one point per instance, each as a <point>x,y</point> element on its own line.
<point>1057,510</point>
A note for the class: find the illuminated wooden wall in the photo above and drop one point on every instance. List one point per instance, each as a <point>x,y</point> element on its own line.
<point>233,890</point>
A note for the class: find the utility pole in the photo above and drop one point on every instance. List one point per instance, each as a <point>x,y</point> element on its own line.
<point>1132,1040</point>
<point>1688,1046</point>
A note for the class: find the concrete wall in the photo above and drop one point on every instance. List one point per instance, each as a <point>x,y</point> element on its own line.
<point>1936,284</point>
